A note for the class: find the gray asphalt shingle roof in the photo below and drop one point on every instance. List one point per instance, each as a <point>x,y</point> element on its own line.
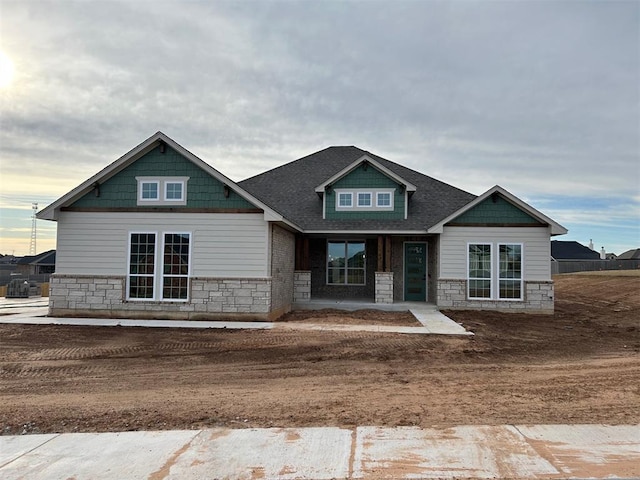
<point>289,189</point>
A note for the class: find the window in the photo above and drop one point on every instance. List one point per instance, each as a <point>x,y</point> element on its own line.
<point>510,279</point>
<point>482,281</point>
<point>345,200</point>
<point>173,190</point>
<point>383,199</point>
<point>173,274</point>
<point>149,191</point>
<point>142,265</point>
<point>364,199</point>
<point>361,199</point>
<point>479,271</point>
<point>175,266</point>
<point>160,191</point>
<point>346,263</point>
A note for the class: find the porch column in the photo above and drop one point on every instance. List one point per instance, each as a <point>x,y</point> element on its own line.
<point>301,286</point>
<point>384,287</point>
<point>302,253</point>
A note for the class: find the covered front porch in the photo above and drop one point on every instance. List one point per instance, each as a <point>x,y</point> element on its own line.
<point>349,271</point>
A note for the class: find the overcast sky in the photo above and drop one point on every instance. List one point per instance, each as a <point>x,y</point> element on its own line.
<point>542,98</point>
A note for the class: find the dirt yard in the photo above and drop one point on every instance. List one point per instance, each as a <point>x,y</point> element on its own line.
<point>581,365</point>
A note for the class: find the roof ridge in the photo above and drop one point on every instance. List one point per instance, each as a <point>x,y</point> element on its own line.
<point>289,164</point>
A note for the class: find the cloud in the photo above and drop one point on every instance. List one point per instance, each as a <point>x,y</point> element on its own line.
<point>539,97</point>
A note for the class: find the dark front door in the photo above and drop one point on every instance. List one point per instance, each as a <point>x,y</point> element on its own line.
<point>415,272</point>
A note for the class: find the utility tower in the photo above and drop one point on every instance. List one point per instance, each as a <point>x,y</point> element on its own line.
<point>32,246</point>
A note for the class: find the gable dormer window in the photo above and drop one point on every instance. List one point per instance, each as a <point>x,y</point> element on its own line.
<point>360,199</point>
<point>364,199</point>
<point>345,200</point>
<point>384,199</point>
<point>162,191</point>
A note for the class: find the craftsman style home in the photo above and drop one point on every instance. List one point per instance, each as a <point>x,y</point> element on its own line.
<point>159,233</point>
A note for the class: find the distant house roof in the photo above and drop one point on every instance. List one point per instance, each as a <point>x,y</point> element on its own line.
<point>572,250</point>
<point>632,254</point>
<point>45,258</point>
<point>291,190</point>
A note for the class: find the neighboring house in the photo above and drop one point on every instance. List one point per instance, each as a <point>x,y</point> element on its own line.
<point>41,264</point>
<point>159,232</point>
<point>572,250</point>
<point>633,254</point>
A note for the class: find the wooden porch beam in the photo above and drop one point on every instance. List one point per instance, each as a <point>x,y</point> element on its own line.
<point>387,254</point>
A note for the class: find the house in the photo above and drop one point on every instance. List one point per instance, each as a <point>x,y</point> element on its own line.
<point>633,254</point>
<point>159,232</point>
<point>41,264</point>
<point>572,250</point>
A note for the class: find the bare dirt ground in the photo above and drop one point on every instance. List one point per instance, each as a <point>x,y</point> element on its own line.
<point>359,317</point>
<point>581,365</point>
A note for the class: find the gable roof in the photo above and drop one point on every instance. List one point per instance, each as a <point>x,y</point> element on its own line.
<point>365,159</point>
<point>556,228</point>
<point>51,211</point>
<point>632,254</point>
<point>572,250</point>
<point>291,189</point>
<point>44,258</point>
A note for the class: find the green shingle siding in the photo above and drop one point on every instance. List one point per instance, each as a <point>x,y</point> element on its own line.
<point>495,210</point>
<point>203,191</point>
<point>361,178</point>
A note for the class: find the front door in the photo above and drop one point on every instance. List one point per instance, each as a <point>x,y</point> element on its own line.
<point>415,272</point>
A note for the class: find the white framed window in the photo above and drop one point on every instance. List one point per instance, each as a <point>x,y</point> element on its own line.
<point>173,191</point>
<point>159,191</point>
<point>364,199</point>
<point>345,200</point>
<point>384,199</point>
<point>494,276</point>
<point>159,274</point>
<point>346,262</point>
<point>361,199</point>
<point>142,266</point>
<point>479,273</point>
<point>510,271</point>
<point>149,191</point>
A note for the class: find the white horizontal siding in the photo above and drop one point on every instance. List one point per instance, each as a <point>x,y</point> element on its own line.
<point>535,240</point>
<point>222,245</point>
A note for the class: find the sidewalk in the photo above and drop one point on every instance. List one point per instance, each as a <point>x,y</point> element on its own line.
<point>34,312</point>
<point>469,452</point>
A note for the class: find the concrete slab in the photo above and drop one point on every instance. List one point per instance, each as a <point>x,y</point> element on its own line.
<point>288,453</point>
<point>437,322</point>
<point>100,456</point>
<point>479,452</point>
<point>588,451</point>
<point>17,446</point>
<point>459,452</point>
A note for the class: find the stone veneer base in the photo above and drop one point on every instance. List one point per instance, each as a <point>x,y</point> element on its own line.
<point>384,287</point>
<point>209,299</point>
<point>538,298</point>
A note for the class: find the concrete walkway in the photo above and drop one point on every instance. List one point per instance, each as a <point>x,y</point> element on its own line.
<point>470,452</point>
<point>34,312</point>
